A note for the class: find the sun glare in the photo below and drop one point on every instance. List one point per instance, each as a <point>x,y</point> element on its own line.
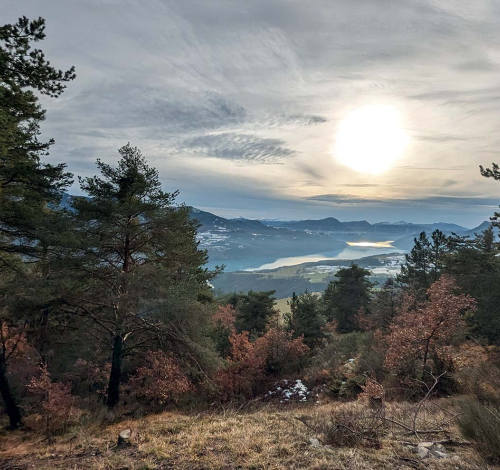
<point>370,139</point>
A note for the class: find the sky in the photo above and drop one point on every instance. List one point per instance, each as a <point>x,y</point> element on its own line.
<point>238,103</point>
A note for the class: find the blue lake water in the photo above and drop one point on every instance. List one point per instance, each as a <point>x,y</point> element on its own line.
<point>350,252</point>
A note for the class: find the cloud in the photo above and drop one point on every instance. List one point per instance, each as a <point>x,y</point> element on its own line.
<point>153,108</point>
<point>442,138</point>
<point>268,84</point>
<point>239,147</point>
<point>433,200</point>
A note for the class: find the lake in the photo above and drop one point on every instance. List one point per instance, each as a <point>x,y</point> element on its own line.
<point>353,250</point>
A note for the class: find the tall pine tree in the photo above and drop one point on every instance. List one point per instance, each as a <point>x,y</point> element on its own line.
<point>137,247</point>
<point>28,187</point>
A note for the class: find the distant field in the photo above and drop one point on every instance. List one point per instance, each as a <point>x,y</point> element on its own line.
<point>282,305</point>
<point>312,276</point>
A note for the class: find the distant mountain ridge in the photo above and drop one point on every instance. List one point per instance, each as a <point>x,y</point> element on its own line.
<point>335,225</point>
<point>242,243</point>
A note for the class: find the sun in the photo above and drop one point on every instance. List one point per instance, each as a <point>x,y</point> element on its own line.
<point>370,139</point>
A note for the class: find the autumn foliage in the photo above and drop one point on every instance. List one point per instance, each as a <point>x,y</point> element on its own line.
<point>281,350</point>
<point>249,363</point>
<point>225,317</point>
<point>56,406</point>
<point>245,367</point>
<point>423,330</point>
<point>160,380</point>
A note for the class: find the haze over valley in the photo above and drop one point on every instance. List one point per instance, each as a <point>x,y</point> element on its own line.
<point>294,256</point>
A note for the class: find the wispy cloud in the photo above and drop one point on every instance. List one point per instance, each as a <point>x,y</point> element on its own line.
<point>243,147</point>
<point>254,94</point>
<point>432,200</point>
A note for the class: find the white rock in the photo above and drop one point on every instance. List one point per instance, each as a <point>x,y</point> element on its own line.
<point>314,442</point>
<point>439,447</point>
<point>422,452</point>
<point>427,445</point>
<point>124,437</point>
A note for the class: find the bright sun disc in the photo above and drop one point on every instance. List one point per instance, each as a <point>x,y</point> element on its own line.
<point>370,139</point>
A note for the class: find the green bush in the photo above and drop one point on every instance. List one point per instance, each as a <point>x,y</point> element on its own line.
<point>334,387</point>
<point>351,388</point>
<point>480,423</point>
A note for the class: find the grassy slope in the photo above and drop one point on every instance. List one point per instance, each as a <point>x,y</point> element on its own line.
<point>266,438</point>
<point>282,305</point>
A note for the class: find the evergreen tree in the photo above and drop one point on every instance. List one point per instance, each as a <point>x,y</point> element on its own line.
<point>29,189</point>
<point>475,265</point>
<point>26,184</point>
<point>493,172</point>
<point>253,311</point>
<point>139,270</point>
<point>385,306</point>
<point>424,263</point>
<point>306,317</point>
<point>346,295</point>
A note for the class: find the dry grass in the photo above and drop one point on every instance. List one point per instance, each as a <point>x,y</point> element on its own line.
<point>265,438</point>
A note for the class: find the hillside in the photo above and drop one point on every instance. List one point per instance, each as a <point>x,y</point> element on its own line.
<point>263,437</point>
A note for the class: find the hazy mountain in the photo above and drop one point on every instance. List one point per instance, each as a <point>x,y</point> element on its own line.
<point>480,228</point>
<point>325,225</point>
<point>245,243</point>
<point>331,224</point>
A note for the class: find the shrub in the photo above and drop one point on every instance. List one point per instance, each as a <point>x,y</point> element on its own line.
<point>57,408</point>
<point>160,380</point>
<point>281,351</point>
<point>352,387</point>
<point>90,378</point>
<point>480,423</point>
<point>337,349</point>
<point>348,427</point>
<point>223,326</point>
<point>244,369</point>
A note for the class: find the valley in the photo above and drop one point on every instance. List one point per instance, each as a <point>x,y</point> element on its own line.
<point>295,256</point>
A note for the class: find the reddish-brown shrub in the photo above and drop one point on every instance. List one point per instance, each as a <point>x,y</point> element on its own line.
<point>281,351</point>
<point>428,328</point>
<point>56,408</point>
<point>160,380</point>
<point>21,359</point>
<point>245,367</point>
<point>225,317</point>
<point>373,392</point>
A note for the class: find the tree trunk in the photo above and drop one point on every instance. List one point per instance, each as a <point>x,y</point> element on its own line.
<point>116,372</point>
<point>10,405</point>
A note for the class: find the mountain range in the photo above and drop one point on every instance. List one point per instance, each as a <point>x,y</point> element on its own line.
<point>245,243</point>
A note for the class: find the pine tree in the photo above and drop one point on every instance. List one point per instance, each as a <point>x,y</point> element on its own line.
<point>137,248</point>
<point>26,184</point>
<point>475,265</point>
<point>29,189</point>
<point>253,311</point>
<point>493,172</point>
<point>306,317</point>
<point>384,307</point>
<point>346,295</point>
<point>424,263</point>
